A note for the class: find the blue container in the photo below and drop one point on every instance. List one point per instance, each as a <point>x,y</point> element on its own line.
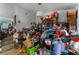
<point>57,48</point>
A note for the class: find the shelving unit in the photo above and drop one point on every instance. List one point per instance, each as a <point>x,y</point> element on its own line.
<point>71,18</point>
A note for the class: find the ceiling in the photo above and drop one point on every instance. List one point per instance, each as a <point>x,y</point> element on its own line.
<point>47,6</point>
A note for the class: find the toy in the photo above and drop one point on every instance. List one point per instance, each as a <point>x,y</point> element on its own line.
<point>47,32</point>
<point>71,52</point>
<point>15,36</point>
<point>58,32</point>
<point>38,34</point>
<point>48,42</point>
<point>38,51</point>
<point>74,44</point>
<point>65,52</point>
<point>31,51</point>
<point>28,43</point>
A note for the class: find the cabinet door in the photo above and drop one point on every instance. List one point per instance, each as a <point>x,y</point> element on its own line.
<point>71,19</point>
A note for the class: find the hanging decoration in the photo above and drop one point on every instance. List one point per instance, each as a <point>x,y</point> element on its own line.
<point>45,19</point>
<point>53,15</point>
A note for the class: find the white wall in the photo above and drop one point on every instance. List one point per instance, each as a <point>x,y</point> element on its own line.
<point>25,16</point>
<point>6,10</point>
<point>78,22</point>
<point>6,13</point>
<point>62,16</point>
<point>77,7</point>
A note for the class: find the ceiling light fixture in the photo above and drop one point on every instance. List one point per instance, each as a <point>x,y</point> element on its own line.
<point>39,3</point>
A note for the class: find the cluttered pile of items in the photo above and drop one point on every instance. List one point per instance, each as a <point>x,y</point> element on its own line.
<point>47,38</point>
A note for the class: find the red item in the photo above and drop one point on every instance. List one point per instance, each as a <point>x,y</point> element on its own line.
<point>58,32</point>
<point>54,15</point>
<point>38,34</point>
<point>75,39</point>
